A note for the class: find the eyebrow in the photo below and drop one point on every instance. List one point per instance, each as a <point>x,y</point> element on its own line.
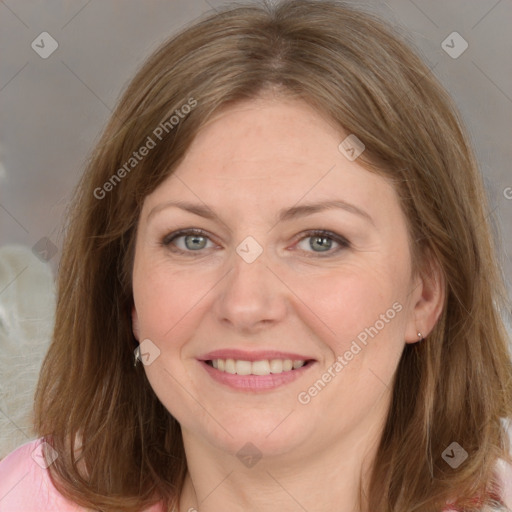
<point>284,215</point>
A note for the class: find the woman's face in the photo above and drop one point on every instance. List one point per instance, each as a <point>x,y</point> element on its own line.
<point>226,311</point>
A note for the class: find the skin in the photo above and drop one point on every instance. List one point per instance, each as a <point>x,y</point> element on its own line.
<point>252,160</point>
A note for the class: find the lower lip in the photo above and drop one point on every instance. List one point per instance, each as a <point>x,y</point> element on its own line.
<point>255,382</point>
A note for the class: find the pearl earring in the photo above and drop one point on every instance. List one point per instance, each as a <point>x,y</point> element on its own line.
<point>420,336</point>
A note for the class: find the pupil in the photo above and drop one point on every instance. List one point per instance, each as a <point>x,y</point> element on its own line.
<point>322,242</point>
<point>194,239</point>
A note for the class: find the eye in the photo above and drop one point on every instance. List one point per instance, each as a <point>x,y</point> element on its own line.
<point>194,240</point>
<point>323,241</point>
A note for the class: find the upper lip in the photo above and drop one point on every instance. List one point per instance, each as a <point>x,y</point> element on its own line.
<point>259,355</point>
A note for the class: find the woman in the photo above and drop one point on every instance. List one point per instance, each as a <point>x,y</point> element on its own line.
<point>278,289</point>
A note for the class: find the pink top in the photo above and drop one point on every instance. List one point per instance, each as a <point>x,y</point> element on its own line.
<point>26,487</point>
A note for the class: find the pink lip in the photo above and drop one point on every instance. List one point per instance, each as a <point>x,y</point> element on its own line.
<point>254,382</point>
<point>261,355</point>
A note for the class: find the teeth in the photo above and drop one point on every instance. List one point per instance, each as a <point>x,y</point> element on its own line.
<point>276,366</point>
<point>260,368</point>
<point>230,366</point>
<point>287,365</point>
<point>243,367</point>
<point>264,367</point>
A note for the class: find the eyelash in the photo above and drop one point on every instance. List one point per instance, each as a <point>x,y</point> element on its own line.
<point>341,241</point>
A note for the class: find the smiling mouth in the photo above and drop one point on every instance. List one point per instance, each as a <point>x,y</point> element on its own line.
<point>261,368</point>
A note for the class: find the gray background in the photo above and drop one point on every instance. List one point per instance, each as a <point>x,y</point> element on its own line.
<point>54,109</point>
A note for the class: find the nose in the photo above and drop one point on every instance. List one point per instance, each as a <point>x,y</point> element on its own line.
<point>251,296</point>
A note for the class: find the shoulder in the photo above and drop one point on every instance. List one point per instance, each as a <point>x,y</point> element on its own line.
<point>503,492</point>
<point>504,470</point>
<point>25,483</point>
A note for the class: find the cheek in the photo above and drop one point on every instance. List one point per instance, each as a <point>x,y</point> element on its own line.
<point>164,296</point>
<point>355,303</point>
<point>360,320</point>
<point>365,317</point>
<point>167,302</point>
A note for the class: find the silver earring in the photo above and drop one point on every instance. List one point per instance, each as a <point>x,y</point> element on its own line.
<point>420,336</point>
<point>136,353</point>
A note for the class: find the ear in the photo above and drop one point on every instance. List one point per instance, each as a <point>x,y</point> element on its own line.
<point>428,299</point>
<point>135,324</point>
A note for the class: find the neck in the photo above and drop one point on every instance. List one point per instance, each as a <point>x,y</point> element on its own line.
<point>307,478</point>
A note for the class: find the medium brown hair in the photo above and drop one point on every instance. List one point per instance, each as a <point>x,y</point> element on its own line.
<point>349,65</point>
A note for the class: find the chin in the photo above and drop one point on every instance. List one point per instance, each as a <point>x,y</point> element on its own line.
<point>268,436</point>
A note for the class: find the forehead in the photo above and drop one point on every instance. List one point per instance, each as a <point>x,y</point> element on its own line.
<point>280,129</point>
<point>272,152</point>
